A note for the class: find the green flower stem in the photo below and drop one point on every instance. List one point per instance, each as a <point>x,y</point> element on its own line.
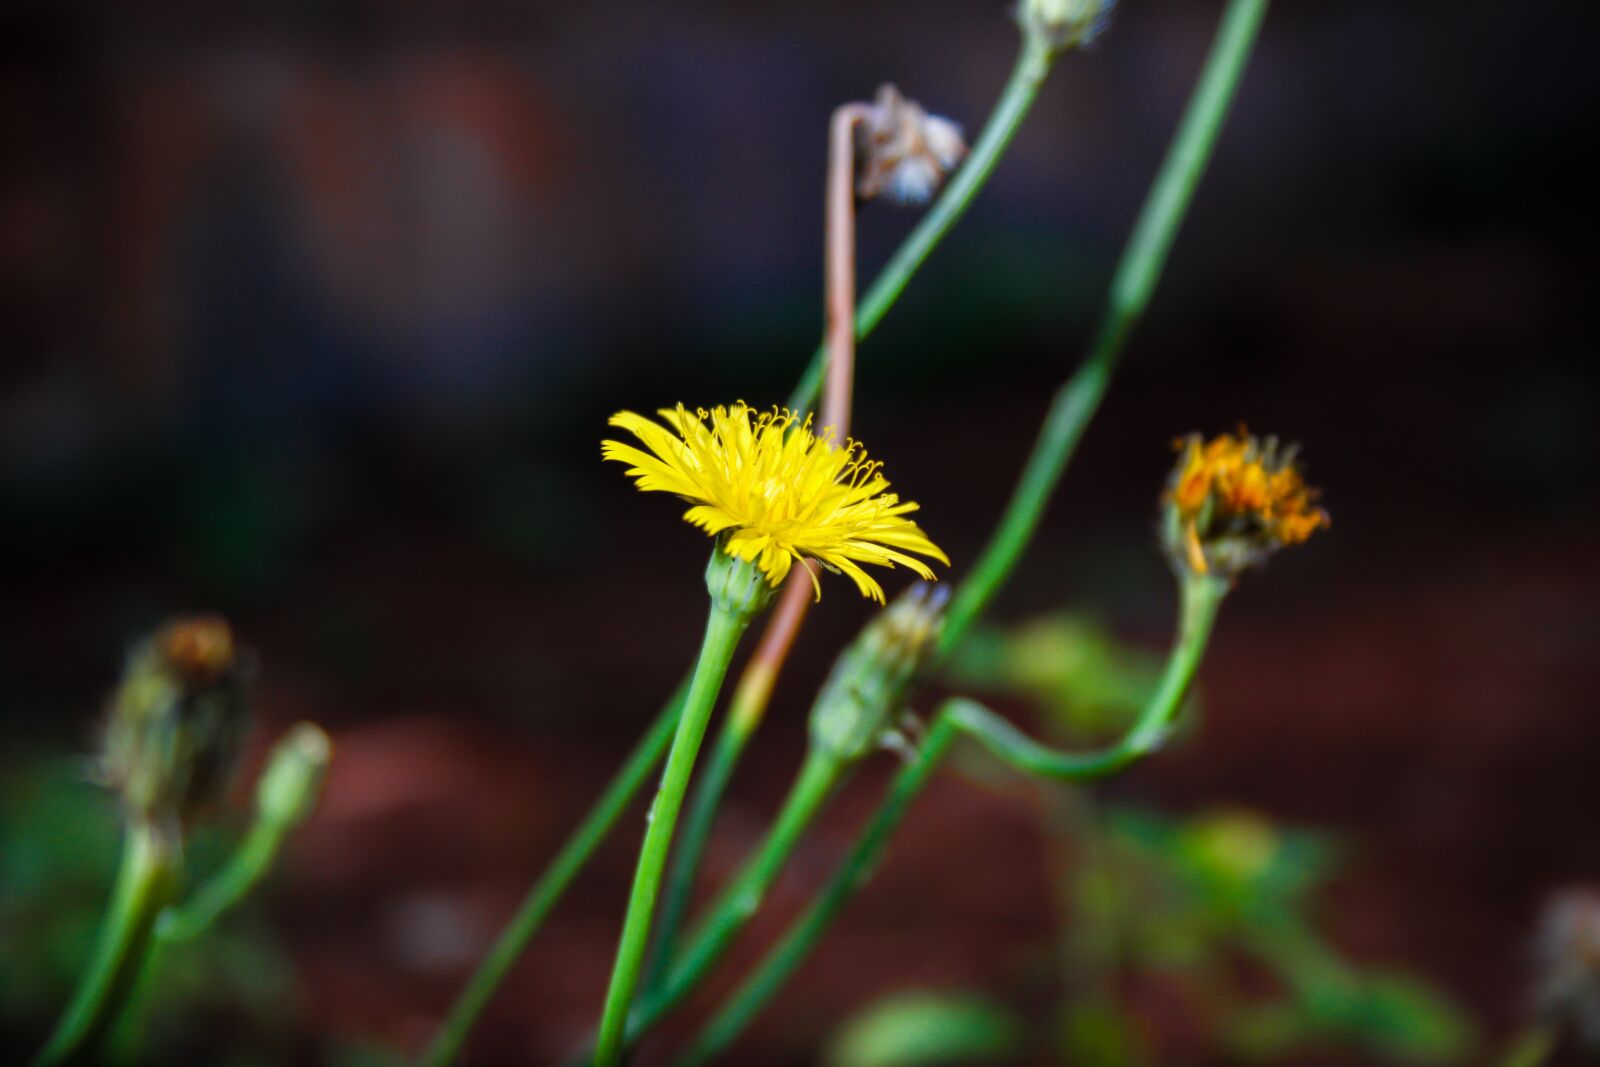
<point>817,782</point>
<point>724,627</point>
<point>1135,280</point>
<point>544,895</point>
<point>1201,597</point>
<point>744,715</point>
<point>243,872</point>
<point>1016,99</point>
<point>147,881</point>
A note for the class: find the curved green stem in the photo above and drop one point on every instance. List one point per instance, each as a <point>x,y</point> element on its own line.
<point>1201,597</point>
<point>1016,99</point>
<point>243,872</point>
<point>542,898</point>
<point>146,882</point>
<point>1132,286</point>
<point>724,627</point>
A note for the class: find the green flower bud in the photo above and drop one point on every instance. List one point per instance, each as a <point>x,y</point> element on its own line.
<point>292,781</point>
<point>1064,24</point>
<point>735,585</point>
<point>176,720</point>
<point>872,676</point>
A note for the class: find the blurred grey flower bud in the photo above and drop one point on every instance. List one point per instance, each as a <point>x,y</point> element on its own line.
<point>1063,24</point>
<point>872,676</point>
<point>176,720</point>
<point>903,152</point>
<point>1569,962</point>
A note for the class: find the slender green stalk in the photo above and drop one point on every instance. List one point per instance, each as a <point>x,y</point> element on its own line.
<point>1016,99</point>
<point>544,895</point>
<point>1034,61</point>
<point>244,871</point>
<point>786,955</point>
<point>1135,280</point>
<point>724,627</point>
<point>818,780</point>
<point>737,729</point>
<point>1201,597</point>
<point>146,882</point>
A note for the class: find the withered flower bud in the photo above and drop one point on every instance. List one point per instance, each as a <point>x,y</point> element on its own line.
<point>902,151</point>
<point>176,720</point>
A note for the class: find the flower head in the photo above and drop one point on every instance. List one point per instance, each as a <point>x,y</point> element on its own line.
<point>176,720</point>
<point>776,492</point>
<point>1234,500</point>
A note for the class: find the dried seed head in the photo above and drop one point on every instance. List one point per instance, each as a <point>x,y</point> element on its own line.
<point>903,152</point>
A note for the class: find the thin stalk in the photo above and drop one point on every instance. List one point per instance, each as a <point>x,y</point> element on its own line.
<point>547,891</point>
<point>1016,100</point>
<point>745,710</point>
<point>816,784</point>
<point>1132,286</point>
<point>249,864</point>
<point>188,921</point>
<point>1200,599</point>
<point>145,884</point>
<point>724,627</point>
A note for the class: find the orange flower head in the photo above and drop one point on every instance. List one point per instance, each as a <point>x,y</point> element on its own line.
<point>1234,500</point>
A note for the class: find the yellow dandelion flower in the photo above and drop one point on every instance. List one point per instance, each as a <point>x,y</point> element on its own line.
<point>778,492</point>
<point>1235,499</point>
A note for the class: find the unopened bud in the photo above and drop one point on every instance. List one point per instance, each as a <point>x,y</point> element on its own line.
<point>872,676</point>
<point>292,781</point>
<point>903,152</point>
<point>176,720</point>
<point>1063,24</point>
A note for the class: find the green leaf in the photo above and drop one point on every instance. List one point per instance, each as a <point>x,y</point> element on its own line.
<point>925,1027</point>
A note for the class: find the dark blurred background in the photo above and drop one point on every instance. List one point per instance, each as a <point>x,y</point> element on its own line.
<point>313,315</point>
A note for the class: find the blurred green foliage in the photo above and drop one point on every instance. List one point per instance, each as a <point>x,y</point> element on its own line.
<point>1209,916</point>
<point>925,1027</point>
